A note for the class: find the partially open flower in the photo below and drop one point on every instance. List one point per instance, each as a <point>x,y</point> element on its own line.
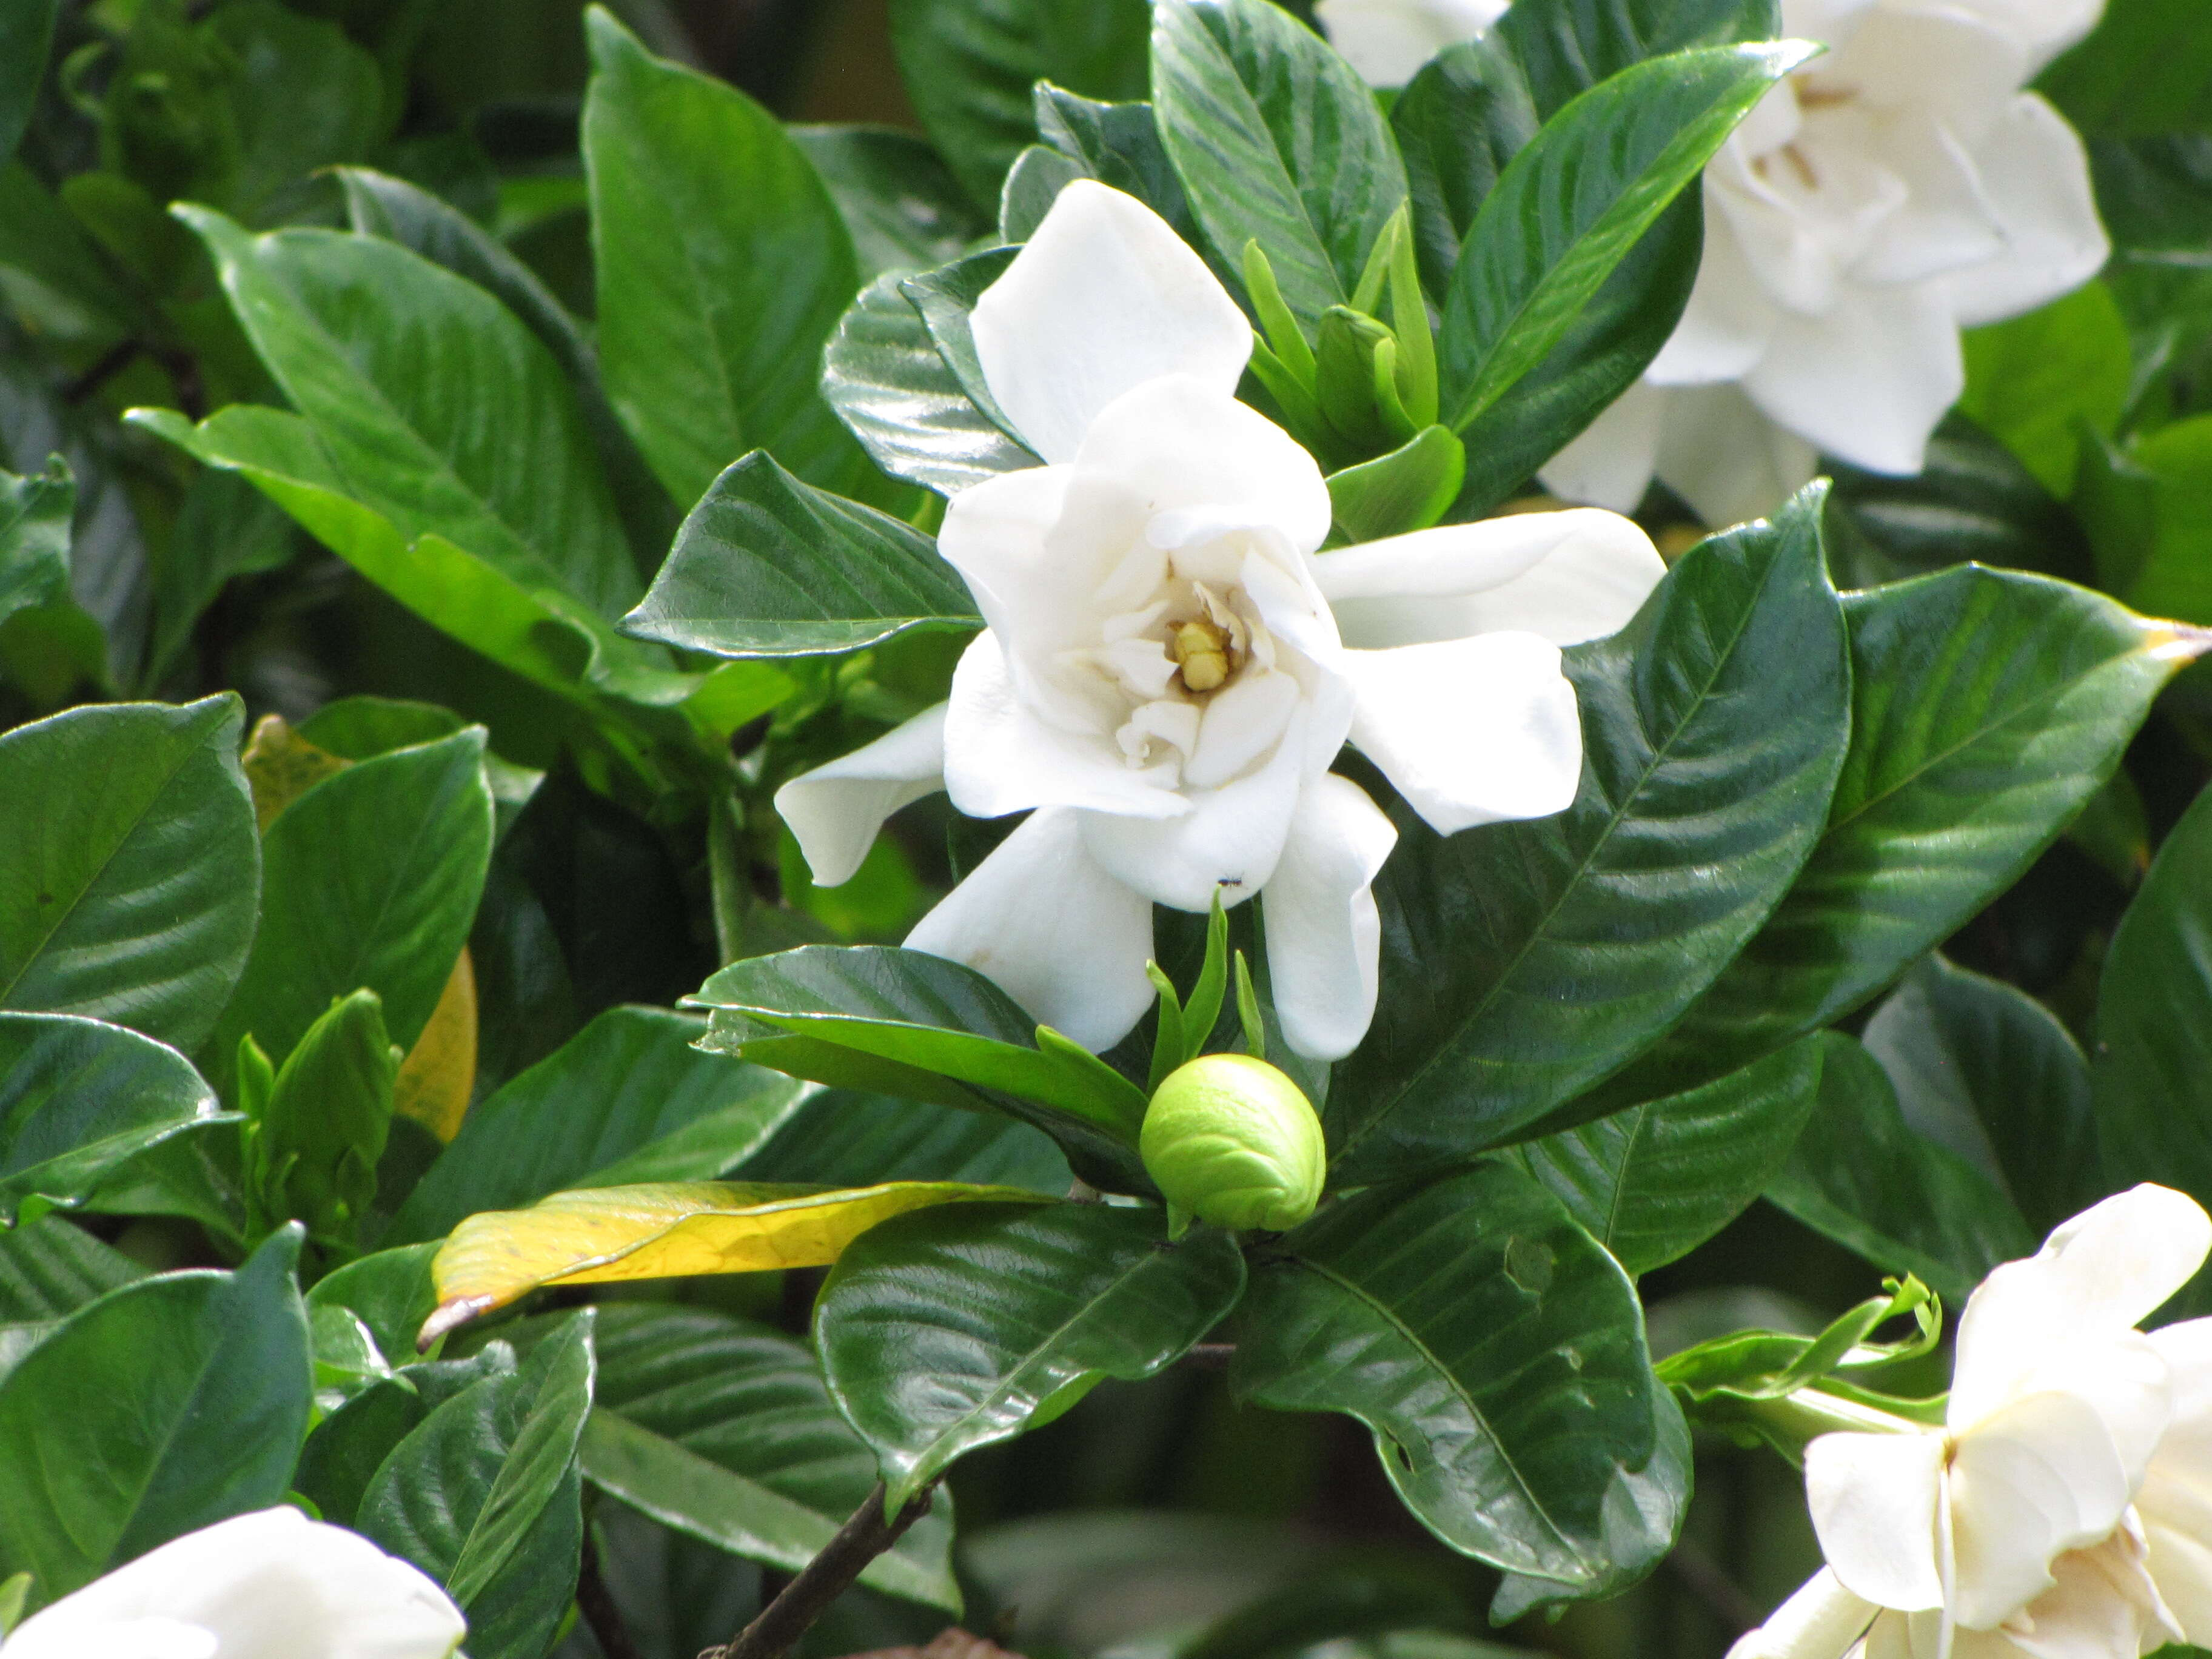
<point>1170,665</point>
<point>1233,1141</point>
<point>268,1585</point>
<point>2065,1509</point>
<point>1388,41</point>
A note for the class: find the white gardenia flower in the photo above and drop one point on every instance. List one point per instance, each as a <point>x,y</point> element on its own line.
<point>1893,191</point>
<point>269,1585</point>
<point>2065,1511</point>
<point>1386,41</point>
<point>1169,665</point>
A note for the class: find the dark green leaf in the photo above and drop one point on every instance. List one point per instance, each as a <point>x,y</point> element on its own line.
<point>723,1429</point>
<point>26,31</point>
<point>77,1097</point>
<point>1987,706</point>
<point>2154,1022</point>
<point>1119,145</point>
<point>1523,961</point>
<point>129,865</point>
<point>1498,1355</point>
<point>437,407</point>
<point>372,881</point>
<point>225,528</point>
<point>884,375</point>
<point>1973,500</point>
<point>1865,1178</point>
<point>2144,69</point>
<point>969,69</point>
<point>1655,1181</point>
<point>391,1293</point>
<point>769,565</point>
<point>34,535</point>
<point>1276,141</point>
<point>941,1333</point>
<point>203,1391</point>
<point>343,1451</point>
<point>1569,206</point>
<point>901,204</point>
<point>1458,122</point>
<point>484,1496</point>
<point>627,1099</point>
<point>2154,194</point>
<point>928,1025</point>
<point>839,1139</point>
<point>1988,1071</point>
<point>721,267</point>
<point>305,98</point>
<point>1033,184</point>
<point>51,1268</point>
<point>1567,46</point>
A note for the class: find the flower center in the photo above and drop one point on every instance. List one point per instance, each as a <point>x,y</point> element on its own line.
<point>1204,655</point>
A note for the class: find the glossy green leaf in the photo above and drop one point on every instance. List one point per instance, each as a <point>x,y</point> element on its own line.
<point>767,565</point>
<point>129,865</point>
<point>840,1138</point>
<point>1033,184</point>
<point>901,204</point>
<point>203,1385</point>
<point>1569,206</point>
<point>2152,1030</point>
<point>882,374</point>
<point>380,205</point>
<point>1974,499</point>
<point>627,1099</point>
<point>1985,1069</point>
<point>50,1267</point>
<point>666,1229</point>
<point>1987,706</point>
<point>720,266</point>
<point>1458,122</point>
<point>391,1293</point>
<point>1863,1176</point>
<point>35,514</point>
<point>723,1430</point>
<point>1655,1181</point>
<point>1498,1354</point>
<point>25,32</point>
<point>77,1097</point>
<point>343,1451</point>
<point>921,1014</point>
<point>1276,141</point>
<point>1521,962</point>
<point>313,1148</point>
<point>373,877</point>
<point>1565,47</point>
<point>438,409</point>
<point>969,70</point>
<point>485,1497</point>
<point>1119,145</point>
<point>943,1331</point>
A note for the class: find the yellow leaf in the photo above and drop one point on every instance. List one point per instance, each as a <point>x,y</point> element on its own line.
<point>280,766</point>
<point>664,1230</point>
<point>439,1072</point>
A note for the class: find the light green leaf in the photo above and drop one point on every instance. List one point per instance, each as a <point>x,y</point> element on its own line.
<point>35,514</point>
<point>2032,381</point>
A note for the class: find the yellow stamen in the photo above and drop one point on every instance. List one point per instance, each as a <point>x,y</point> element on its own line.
<point>1201,650</point>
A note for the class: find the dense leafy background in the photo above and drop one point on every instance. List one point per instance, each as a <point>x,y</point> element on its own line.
<point>422,556</point>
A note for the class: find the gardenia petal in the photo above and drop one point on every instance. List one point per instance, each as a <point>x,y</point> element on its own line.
<point>835,811</point>
<point>2043,28</point>
<point>1728,322</point>
<point>1874,1499</point>
<point>2035,175</point>
<point>2098,1276</point>
<point>1821,1621</point>
<point>268,1585</point>
<point>1566,577</point>
<point>1041,920</point>
<point>2175,1499</point>
<point>1609,463</point>
<point>1868,381</point>
<point>1104,297</point>
<point>1470,732</point>
<point>1386,41</point>
<point>1324,934</point>
<point>1722,455</point>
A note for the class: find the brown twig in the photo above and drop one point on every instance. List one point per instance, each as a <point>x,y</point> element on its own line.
<point>1724,1598</point>
<point>595,1603</point>
<point>1209,1356</point>
<point>824,1579</point>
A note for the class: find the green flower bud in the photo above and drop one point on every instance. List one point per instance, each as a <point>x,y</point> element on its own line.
<point>1229,1140</point>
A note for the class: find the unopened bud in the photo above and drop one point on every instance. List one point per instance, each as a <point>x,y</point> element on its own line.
<point>1231,1140</point>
